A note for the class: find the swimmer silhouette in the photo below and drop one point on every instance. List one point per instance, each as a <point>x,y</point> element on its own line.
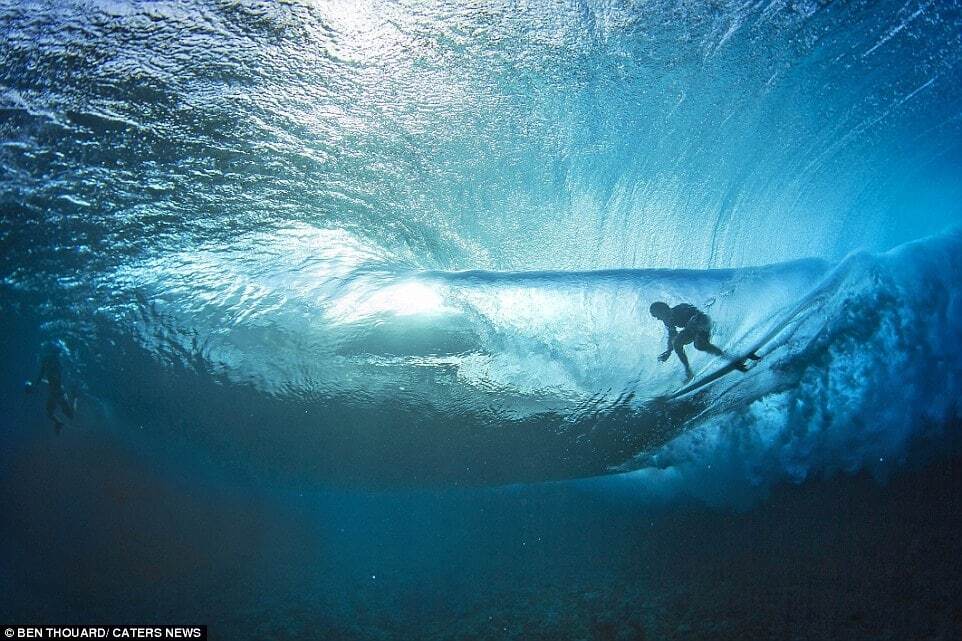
<point>52,373</point>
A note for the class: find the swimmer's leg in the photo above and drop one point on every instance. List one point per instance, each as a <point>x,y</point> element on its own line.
<point>67,406</point>
<point>52,402</point>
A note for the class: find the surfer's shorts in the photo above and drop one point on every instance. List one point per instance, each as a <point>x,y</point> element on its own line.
<point>698,330</point>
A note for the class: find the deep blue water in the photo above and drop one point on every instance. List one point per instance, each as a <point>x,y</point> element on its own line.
<point>353,302</point>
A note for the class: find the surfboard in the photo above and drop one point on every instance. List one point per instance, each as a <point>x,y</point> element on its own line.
<point>707,379</point>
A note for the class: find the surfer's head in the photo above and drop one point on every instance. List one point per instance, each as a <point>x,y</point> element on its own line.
<point>659,310</point>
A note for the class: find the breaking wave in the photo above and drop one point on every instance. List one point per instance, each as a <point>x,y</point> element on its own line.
<point>318,356</point>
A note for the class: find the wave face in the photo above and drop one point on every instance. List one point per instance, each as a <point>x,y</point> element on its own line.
<point>564,136</point>
<point>321,364</point>
<point>415,243</point>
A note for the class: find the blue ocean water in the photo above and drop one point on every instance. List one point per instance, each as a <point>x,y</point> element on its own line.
<point>353,302</point>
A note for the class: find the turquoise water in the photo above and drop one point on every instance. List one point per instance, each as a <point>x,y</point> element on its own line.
<point>353,301</point>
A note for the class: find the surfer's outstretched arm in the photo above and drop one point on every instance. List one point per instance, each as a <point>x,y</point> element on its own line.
<point>672,332</point>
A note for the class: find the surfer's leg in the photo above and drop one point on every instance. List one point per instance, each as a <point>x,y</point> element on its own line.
<point>742,366</point>
<point>702,344</point>
<point>699,327</point>
<point>683,338</point>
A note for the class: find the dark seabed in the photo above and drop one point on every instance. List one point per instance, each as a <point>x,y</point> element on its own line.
<point>845,557</point>
<point>352,304</point>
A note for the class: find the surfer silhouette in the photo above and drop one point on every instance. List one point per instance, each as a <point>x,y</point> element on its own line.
<point>52,373</point>
<point>695,328</point>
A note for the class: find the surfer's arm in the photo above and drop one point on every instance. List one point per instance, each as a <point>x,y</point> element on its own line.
<point>672,332</point>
